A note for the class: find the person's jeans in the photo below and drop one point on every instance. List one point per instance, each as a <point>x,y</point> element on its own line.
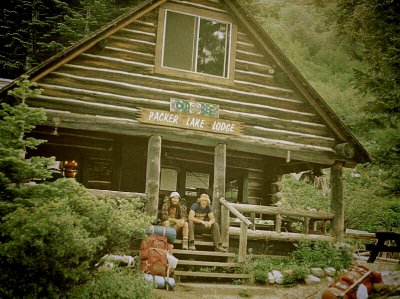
<point>201,228</point>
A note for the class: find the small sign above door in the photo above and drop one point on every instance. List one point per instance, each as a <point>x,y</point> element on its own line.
<point>187,121</point>
<point>195,108</point>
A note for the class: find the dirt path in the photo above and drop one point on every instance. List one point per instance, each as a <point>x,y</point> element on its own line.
<point>225,291</point>
<point>229,291</point>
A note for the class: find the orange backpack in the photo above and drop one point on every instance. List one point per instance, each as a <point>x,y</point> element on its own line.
<point>154,255</point>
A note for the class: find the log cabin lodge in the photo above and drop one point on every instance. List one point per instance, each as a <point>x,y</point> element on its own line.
<point>190,96</point>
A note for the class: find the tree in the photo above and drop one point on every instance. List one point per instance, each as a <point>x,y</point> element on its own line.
<point>33,31</point>
<point>375,25</point>
<point>52,233</point>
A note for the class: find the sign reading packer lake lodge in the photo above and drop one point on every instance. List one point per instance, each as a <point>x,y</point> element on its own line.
<point>189,121</point>
<point>196,108</point>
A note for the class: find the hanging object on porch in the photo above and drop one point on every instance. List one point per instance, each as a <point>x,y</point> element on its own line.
<point>70,168</point>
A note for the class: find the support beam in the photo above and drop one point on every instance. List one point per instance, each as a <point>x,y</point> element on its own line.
<point>337,204</point>
<point>153,175</point>
<point>219,179</point>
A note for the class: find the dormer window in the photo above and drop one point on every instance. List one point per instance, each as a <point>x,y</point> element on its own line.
<point>193,43</point>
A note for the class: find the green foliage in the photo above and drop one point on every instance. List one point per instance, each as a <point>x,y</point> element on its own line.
<point>322,254</point>
<point>294,273</point>
<point>33,31</point>
<point>115,283</point>
<point>308,254</point>
<point>374,26</point>
<point>303,195</point>
<point>52,234</point>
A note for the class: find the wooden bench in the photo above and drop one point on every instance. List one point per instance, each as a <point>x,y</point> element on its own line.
<point>380,246</point>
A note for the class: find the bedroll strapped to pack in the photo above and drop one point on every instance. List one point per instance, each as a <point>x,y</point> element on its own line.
<point>156,257</point>
<point>161,230</point>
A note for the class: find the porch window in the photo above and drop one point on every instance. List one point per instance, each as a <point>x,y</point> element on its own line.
<point>194,46</point>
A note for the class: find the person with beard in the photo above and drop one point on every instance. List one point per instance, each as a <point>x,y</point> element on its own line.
<point>175,215</point>
<point>201,219</point>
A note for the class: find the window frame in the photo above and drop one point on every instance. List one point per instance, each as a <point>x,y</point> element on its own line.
<point>196,12</point>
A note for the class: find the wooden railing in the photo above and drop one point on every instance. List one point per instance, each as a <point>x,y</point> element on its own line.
<point>279,214</point>
<point>226,208</point>
<point>274,232</point>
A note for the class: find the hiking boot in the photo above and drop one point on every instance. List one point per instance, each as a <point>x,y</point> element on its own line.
<point>220,248</point>
<point>185,244</point>
<point>191,245</point>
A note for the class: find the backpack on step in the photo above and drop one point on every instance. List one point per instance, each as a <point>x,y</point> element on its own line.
<point>156,257</point>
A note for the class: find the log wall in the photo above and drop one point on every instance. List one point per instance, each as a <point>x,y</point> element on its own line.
<point>104,87</point>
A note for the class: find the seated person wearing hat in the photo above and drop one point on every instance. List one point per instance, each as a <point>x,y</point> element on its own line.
<point>201,219</point>
<point>174,214</point>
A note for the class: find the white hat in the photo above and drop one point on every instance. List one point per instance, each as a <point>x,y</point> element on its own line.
<point>174,194</point>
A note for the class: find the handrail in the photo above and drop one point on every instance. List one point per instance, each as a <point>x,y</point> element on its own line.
<point>244,224</point>
<point>278,210</point>
<point>235,212</point>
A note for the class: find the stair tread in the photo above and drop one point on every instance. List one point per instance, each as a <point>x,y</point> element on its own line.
<point>211,274</point>
<point>207,263</point>
<point>201,243</point>
<point>203,252</point>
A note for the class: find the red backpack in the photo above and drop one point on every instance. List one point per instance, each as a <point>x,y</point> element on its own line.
<point>153,255</point>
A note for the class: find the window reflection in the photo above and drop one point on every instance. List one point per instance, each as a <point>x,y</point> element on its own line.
<point>212,52</point>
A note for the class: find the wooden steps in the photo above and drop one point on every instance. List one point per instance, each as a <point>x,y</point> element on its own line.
<point>204,264</point>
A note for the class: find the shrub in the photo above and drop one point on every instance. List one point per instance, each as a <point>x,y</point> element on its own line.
<point>322,254</point>
<point>51,243</point>
<point>115,283</point>
<point>307,255</point>
<point>51,234</point>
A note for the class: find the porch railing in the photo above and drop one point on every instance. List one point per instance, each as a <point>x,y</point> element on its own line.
<point>277,217</point>
<point>226,208</point>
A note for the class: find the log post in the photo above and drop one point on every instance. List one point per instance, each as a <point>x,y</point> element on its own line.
<point>219,179</point>
<point>242,242</point>
<point>337,205</point>
<point>278,223</point>
<point>253,219</point>
<point>153,175</point>
<point>225,225</point>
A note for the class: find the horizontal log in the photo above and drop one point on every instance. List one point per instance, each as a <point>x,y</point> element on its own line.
<point>178,85</point>
<point>135,35</point>
<point>102,97</point>
<point>122,54</point>
<point>78,81</point>
<point>127,44</point>
<point>358,234</point>
<point>204,4</point>
<point>82,107</point>
<point>274,236</point>
<point>290,136</point>
<point>245,144</point>
<point>245,208</point>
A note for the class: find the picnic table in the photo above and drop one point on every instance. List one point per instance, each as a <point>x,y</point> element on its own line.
<point>385,242</point>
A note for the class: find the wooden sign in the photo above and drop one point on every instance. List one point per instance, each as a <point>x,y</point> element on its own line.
<point>187,121</point>
<point>192,107</point>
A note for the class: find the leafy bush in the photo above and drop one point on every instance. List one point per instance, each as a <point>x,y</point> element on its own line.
<point>307,255</point>
<point>51,234</point>
<point>115,283</point>
<point>322,254</point>
<point>51,244</point>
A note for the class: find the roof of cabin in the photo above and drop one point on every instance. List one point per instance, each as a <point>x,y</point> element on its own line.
<point>260,38</point>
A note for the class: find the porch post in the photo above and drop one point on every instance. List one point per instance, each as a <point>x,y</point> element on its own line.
<point>337,204</point>
<point>219,179</point>
<point>153,169</point>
